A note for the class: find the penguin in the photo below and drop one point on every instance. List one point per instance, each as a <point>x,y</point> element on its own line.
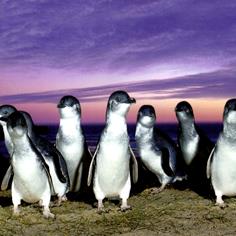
<point>53,158</point>
<point>111,160</point>
<point>70,141</point>
<point>221,165</point>
<point>31,180</point>
<point>5,111</point>
<point>156,150</point>
<point>195,148</point>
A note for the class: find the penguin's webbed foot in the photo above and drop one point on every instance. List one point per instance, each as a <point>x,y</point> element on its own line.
<point>124,205</point>
<point>64,198</point>
<point>16,211</point>
<point>180,178</point>
<point>61,199</point>
<point>219,201</point>
<point>125,208</point>
<point>47,214</point>
<point>156,190</point>
<point>221,205</point>
<point>102,210</point>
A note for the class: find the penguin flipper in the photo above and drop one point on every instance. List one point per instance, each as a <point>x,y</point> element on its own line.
<point>6,178</point>
<point>165,162</point>
<point>209,161</point>
<point>60,167</point>
<point>46,168</point>
<point>168,148</point>
<point>50,152</point>
<point>134,166</point>
<point>92,164</point>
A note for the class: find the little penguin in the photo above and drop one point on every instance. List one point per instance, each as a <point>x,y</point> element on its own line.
<point>156,150</point>
<point>221,165</point>
<point>70,140</point>
<point>53,158</point>
<point>111,159</point>
<point>195,147</point>
<point>31,180</point>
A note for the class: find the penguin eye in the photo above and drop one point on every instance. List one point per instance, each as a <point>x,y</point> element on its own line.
<point>76,107</point>
<point>115,102</point>
<point>188,110</point>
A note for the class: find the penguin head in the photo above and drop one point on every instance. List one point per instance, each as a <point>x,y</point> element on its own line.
<point>69,107</point>
<point>230,111</point>
<point>184,111</point>
<point>5,112</point>
<point>119,102</point>
<point>16,125</point>
<point>147,116</point>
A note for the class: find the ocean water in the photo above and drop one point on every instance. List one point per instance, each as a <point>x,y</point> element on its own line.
<point>93,132</point>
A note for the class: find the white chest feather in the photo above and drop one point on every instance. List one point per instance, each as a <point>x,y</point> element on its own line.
<point>190,148</point>
<point>152,160</point>
<point>69,125</point>
<point>223,171</point>
<point>112,168</point>
<point>116,126</point>
<point>70,140</point>
<point>224,162</point>
<point>113,154</point>
<point>25,166</point>
<point>30,179</point>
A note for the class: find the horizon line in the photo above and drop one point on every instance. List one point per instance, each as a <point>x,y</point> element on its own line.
<point>132,123</point>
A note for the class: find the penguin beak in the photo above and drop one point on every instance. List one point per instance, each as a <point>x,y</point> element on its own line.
<point>132,100</point>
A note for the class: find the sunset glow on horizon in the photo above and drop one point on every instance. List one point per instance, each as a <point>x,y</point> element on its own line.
<point>208,111</point>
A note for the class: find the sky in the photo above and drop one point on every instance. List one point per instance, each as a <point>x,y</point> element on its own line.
<point>161,52</point>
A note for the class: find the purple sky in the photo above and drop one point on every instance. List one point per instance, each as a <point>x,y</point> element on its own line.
<point>157,50</point>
